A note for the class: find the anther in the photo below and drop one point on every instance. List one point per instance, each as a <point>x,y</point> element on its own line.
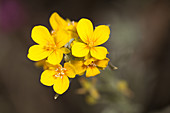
<point>62,73</point>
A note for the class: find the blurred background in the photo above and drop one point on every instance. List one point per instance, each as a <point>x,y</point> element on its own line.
<point>139,46</point>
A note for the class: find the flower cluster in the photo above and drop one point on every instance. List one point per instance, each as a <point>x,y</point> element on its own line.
<point>74,43</point>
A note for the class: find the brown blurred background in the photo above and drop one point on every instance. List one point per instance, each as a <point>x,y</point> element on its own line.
<point>139,45</point>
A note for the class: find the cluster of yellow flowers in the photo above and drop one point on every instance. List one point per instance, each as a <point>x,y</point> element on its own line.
<point>79,44</point>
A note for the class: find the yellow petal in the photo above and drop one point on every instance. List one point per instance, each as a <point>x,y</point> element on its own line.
<point>85,29</point>
<point>92,71</point>
<point>55,57</point>
<point>98,52</point>
<point>71,27</point>
<point>40,63</point>
<point>47,77</point>
<point>36,53</point>
<point>80,49</point>
<point>57,22</point>
<point>54,67</point>
<point>61,84</point>
<point>89,61</point>
<point>102,63</point>
<point>70,70</point>
<point>41,35</point>
<point>87,56</point>
<point>101,34</point>
<point>79,66</point>
<point>61,38</point>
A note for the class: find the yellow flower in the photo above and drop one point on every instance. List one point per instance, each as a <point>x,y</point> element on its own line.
<point>48,46</point>
<point>91,66</point>
<point>58,23</point>
<point>91,39</point>
<point>122,86</point>
<point>57,76</point>
<point>89,88</point>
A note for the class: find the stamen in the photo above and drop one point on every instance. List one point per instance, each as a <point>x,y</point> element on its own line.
<point>92,65</point>
<point>72,22</point>
<point>62,69</point>
<point>58,75</point>
<point>52,32</point>
<point>62,73</point>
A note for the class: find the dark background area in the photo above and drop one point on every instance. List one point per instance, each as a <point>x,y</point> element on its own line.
<point>139,45</point>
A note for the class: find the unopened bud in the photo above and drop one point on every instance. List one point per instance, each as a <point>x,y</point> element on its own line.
<point>56,96</point>
<point>66,58</point>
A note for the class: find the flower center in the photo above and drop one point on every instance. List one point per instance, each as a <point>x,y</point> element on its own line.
<point>49,47</point>
<point>60,72</point>
<point>92,64</point>
<point>90,43</point>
